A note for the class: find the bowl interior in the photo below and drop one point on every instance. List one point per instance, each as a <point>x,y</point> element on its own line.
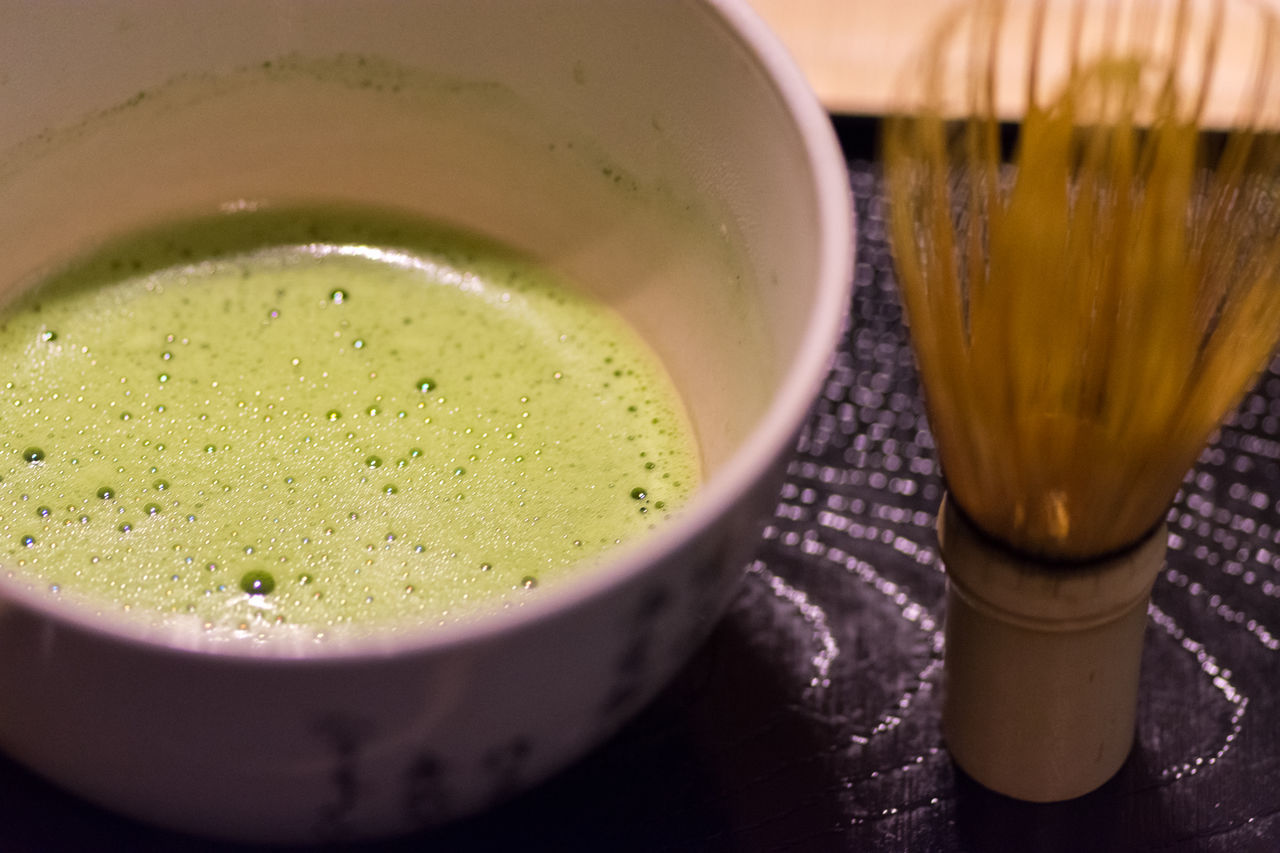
<point>640,149</point>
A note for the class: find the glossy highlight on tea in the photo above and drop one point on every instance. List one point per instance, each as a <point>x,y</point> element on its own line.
<point>320,417</point>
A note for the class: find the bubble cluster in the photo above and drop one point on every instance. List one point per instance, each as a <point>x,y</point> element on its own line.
<point>341,434</point>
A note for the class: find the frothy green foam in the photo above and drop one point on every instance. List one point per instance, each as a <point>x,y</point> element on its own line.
<point>323,417</point>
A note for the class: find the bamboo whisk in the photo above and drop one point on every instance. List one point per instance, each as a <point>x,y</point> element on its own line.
<point>1085,315</point>
<point>1082,318</point>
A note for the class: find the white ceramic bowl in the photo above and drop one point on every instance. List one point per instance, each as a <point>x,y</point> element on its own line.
<point>666,155</point>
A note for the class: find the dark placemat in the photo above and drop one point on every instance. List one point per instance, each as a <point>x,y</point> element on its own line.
<point>809,721</point>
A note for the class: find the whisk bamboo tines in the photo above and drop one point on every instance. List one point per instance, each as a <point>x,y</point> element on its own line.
<point>1085,315</point>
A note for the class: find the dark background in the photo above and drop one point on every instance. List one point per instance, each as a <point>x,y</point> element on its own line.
<point>809,721</point>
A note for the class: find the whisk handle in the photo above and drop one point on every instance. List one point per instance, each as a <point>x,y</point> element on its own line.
<point>1042,662</point>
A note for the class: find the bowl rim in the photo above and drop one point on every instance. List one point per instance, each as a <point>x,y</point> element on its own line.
<point>764,446</point>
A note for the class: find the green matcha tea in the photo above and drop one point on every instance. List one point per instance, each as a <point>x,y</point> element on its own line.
<point>320,417</point>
